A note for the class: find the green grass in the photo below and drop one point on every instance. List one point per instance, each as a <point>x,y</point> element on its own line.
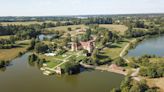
<point>52,64</point>
<point>115,28</point>
<point>55,60</point>
<point>81,57</point>
<point>5,37</point>
<point>64,28</point>
<point>9,54</point>
<point>114,50</point>
<point>157,60</point>
<point>52,60</point>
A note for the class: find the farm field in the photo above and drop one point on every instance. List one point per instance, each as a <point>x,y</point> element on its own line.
<point>64,28</point>
<point>115,49</point>
<point>113,27</point>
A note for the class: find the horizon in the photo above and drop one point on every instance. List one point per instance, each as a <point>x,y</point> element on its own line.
<point>87,15</point>
<point>79,7</point>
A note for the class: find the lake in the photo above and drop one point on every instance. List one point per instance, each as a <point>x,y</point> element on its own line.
<point>151,46</point>
<point>21,76</point>
<point>48,36</point>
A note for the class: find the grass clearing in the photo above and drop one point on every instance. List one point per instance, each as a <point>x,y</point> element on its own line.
<point>113,27</point>
<point>55,60</point>
<point>52,64</point>
<point>64,28</point>
<point>114,50</point>
<point>52,60</point>
<point>9,54</point>
<point>155,60</point>
<point>5,37</point>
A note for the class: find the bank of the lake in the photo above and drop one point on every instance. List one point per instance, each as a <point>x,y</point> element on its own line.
<point>150,46</point>
<point>22,77</point>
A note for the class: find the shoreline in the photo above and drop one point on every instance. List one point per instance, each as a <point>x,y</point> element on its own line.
<point>107,68</point>
<point>103,68</point>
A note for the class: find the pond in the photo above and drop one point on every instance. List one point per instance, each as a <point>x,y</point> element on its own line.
<point>21,76</point>
<point>49,36</point>
<point>151,46</point>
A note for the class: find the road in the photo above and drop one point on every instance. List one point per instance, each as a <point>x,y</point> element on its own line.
<point>124,49</point>
<point>136,71</point>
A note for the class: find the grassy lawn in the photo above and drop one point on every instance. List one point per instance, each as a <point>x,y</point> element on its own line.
<point>113,27</point>
<point>114,50</point>
<point>9,54</point>
<point>51,58</point>
<point>53,64</point>
<point>5,37</point>
<point>64,28</point>
<point>55,60</point>
<point>154,60</point>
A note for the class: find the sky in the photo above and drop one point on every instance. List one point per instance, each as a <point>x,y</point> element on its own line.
<point>78,7</point>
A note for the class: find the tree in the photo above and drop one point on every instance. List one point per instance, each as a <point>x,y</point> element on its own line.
<point>69,29</point>
<point>72,67</point>
<point>151,72</point>
<point>12,39</point>
<point>120,62</point>
<point>129,31</point>
<point>41,48</point>
<point>135,88</point>
<point>2,63</point>
<point>32,58</point>
<point>139,24</point>
<point>115,90</point>
<point>32,44</point>
<point>94,57</point>
<point>85,51</point>
<point>69,37</point>
<point>87,35</point>
<point>125,83</point>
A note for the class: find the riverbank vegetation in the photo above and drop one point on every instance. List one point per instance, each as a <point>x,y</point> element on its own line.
<point>149,68</point>
<point>4,63</point>
<point>129,85</point>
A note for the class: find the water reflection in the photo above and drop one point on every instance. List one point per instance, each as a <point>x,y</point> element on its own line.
<point>24,76</point>
<point>151,46</point>
<point>35,64</point>
<point>4,65</point>
<point>3,69</point>
<point>43,37</point>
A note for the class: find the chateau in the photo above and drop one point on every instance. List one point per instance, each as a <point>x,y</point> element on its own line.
<point>87,45</point>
